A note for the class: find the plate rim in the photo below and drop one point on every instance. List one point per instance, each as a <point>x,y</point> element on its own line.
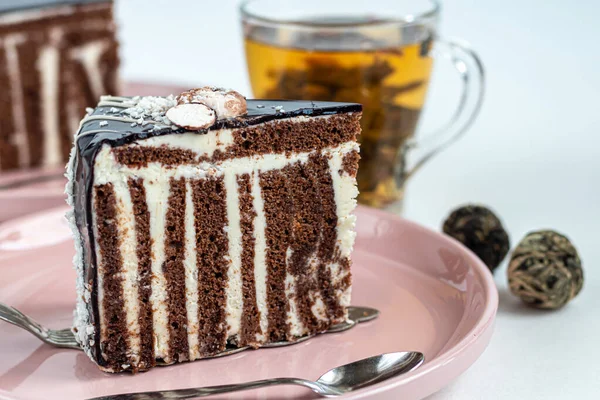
<point>446,359</point>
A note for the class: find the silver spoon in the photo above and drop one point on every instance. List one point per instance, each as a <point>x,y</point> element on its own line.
<point>335,382</point>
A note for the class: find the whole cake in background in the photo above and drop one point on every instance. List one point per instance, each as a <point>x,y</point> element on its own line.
<point>205,221</point>
<point>57,57</point>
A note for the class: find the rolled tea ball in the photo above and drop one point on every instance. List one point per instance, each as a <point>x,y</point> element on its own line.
<point>545,270</point>
<point>478,228</point>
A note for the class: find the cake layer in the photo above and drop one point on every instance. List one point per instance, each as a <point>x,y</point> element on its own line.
<point>214,239</point>
<point>54,62</point>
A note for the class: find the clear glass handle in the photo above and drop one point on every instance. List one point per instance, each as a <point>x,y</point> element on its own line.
<point>471,71</point>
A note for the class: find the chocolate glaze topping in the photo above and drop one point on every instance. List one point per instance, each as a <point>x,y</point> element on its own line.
<point>109,124</point>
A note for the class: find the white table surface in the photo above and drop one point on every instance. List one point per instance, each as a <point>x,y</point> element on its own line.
<point>532,155</point>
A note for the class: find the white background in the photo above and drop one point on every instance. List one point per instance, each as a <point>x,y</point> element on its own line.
<point>533,156</point>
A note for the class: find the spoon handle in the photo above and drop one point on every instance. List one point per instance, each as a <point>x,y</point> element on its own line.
<point>213,390</point>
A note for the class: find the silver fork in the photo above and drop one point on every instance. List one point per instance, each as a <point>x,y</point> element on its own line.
<point>66,339</point>
<point>59,338</point>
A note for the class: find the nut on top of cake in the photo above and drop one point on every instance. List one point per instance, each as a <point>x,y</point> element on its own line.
<point>206,220</point>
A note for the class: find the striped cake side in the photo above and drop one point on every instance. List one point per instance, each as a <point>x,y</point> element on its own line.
<point>241,250</point>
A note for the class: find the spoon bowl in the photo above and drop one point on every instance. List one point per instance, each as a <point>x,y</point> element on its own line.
<point>370,371</point>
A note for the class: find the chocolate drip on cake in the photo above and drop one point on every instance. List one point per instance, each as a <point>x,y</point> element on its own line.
<point>114,335</point>
<point>250,324</point>
<point>144,251</point>
<point>55,62</point>
<point>210,213</point>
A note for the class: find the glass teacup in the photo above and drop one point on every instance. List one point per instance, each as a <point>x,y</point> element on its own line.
<point>379,53</point>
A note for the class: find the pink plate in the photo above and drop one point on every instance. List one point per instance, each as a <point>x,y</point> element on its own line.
<point>434,296</point>
<point>24,192</point>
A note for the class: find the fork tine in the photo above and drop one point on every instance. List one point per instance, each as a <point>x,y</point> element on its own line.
<point>65,344</point>
<point>60,334</point>
<point>63,332</point>
<point>60,339</point>
<point>64,339</point>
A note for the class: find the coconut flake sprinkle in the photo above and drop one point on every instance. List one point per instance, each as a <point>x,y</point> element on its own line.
<point>150,108</point>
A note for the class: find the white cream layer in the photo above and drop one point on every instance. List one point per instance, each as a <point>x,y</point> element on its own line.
<point>260,262</point>
<point>191,275</point>
<point>293,316</point>
<point>128,248</point>
<point>233,294</point>
<point>202,145</point>
<point>157,198</point>
<point>156,180</point>
<point>345,193</point>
